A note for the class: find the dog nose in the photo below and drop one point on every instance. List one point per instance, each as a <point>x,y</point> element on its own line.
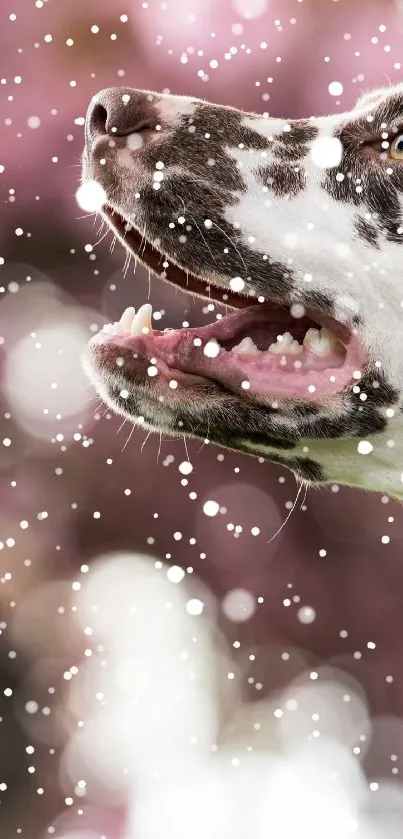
<point>119,111</point>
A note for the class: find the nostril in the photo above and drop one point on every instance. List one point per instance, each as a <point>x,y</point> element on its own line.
<point>98,120</point>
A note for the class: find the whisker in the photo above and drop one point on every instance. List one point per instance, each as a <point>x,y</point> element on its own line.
<point>305,494</point>
<point>186,449</point>
<point>87,215</point>
<point>201,234</point>
<point>231,242</point>
<point>289,514</point>
<point>102,237</point>
<point>131,432</point>
<point>127,262</point>
<point>121,426</point>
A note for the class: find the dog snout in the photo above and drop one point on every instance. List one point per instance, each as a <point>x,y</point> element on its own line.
<point>119,111</point>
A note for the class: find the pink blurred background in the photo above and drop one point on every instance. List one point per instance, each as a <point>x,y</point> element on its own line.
<point>74,483</point>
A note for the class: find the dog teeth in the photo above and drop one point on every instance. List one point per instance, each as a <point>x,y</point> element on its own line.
<point>246,347</point>
<point>109,329</point>
<point>127,318</point>
<point>286,344</point>
<point>118,328</point>
<point>132,323</point>
<point>317,341</point>
<point>141,324</point>
<point>321,342</point>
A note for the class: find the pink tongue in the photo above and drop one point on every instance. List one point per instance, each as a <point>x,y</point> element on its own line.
<point>264,374</point>
<point>304,375</point>
<point>301,363</point>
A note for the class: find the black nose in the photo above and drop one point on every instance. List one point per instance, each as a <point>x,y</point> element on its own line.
<point>119,111</point>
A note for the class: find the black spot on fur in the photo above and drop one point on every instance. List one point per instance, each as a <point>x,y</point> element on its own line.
<point>356,421</point>
<point>217,249</point>
<point>358,418</point>
<point>380,393</point>
<point>379,193</point>
<point>313,299</point>
<point>306,410</point>
<point>278,442</point>
<point>231,418</point>
<point>367,232</point>
<point>283,179</point>
<point>306,468</point>
<point>208,184</point>
<point>188,142</point>
<point>293,144</point>
<point>370,182</point>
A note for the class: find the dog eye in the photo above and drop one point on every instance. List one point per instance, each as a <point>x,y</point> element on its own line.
<point>396,148</point>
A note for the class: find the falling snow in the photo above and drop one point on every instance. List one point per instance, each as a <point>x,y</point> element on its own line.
<point>171,610</point>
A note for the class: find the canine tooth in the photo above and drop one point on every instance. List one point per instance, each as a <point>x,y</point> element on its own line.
<point>127,318</point>
<point>246,346</point>
<point>142,321</point>
<point>321,342</point>
<point>286,344</point>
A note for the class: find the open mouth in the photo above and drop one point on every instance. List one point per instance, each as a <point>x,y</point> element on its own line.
<point>261,348</point>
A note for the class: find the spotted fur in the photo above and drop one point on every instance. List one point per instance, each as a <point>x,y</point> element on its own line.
<point>255,179</point>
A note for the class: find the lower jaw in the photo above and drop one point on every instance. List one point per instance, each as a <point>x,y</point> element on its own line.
<point>174,357</point>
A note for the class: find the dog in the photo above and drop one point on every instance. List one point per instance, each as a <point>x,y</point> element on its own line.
<point>294,228</point>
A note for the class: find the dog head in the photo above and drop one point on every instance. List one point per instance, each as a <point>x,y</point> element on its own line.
<point>294,230</point>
